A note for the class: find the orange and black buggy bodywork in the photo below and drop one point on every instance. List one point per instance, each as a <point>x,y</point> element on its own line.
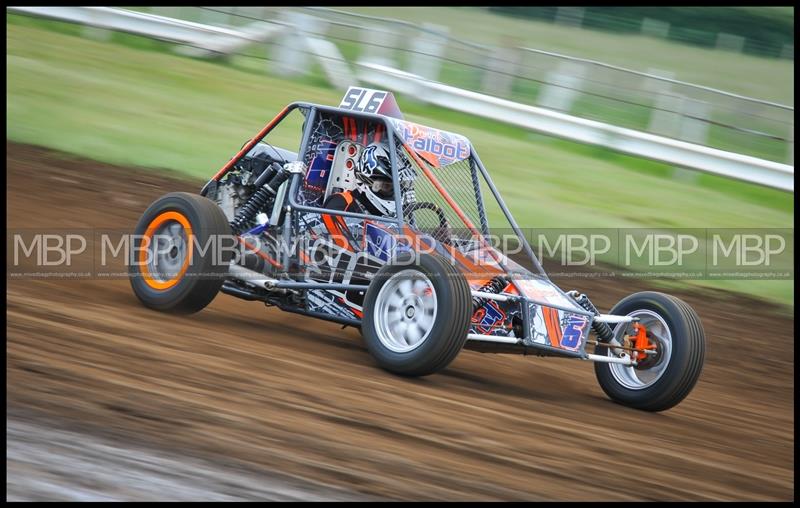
<point>521,309</point>
<point>421,280</point>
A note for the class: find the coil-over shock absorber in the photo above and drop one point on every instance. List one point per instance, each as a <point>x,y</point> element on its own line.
<point>603,331</point>
<point>497,284</point>
<point>274,176</point>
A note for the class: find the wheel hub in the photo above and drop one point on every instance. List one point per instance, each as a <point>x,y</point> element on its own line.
<point>652,333</point>
<point>405,311</point>
<point>169,250</point>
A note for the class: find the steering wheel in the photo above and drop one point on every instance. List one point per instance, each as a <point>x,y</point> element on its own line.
<point>442,232</point>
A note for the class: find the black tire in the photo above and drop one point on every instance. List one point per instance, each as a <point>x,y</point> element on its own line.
<point>449,330</point>
<point>196,287</point>
<point>681,371</point>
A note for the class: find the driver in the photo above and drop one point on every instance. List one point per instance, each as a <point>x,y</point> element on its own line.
<point>374,192</point>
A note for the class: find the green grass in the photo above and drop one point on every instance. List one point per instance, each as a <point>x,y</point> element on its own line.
<point>764,78</point>
<point>152,109</point>
<point>593,104</point>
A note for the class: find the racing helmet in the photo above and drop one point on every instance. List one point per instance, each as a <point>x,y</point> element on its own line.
<point>374,172</point>
<point>374,164</point>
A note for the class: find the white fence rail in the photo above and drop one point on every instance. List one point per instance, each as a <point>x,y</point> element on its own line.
<point>651,101</point>
<point>195,35</point>
<point>225,40</point>
<point>642,144</point>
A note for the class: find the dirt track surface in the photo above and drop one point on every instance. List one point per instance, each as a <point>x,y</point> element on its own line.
<point>267,392</point>
<point>55,464</point>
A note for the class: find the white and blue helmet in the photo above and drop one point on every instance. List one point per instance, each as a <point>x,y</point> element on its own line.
<point>374,171</point>
<point>375,162</point>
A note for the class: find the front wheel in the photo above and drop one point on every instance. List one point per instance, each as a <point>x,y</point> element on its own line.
<point>660,380</point>
<point>174,264</point>
<point>416,315</point>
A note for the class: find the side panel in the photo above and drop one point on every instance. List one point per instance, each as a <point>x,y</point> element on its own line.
<point>494,318</point>
<point>342,250</point>
<point>557,328</point>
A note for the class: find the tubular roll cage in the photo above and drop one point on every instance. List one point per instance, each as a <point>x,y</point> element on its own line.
<point>312,110</point>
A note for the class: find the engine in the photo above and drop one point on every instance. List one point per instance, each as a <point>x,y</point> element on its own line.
<point>251,185</point>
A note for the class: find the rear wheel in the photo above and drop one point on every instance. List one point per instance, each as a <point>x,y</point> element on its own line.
<point>416,315</point>
<point>174,266</point>
<point>659,381</point>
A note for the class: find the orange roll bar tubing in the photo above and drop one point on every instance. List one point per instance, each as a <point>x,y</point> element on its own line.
<point>249,146</point>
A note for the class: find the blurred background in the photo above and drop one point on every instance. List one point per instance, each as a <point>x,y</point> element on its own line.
<point>180,88</point>
<point>586,117</point>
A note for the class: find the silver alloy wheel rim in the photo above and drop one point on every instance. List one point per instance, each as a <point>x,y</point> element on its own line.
<point>637,379</point>
<point>405,311</point>
<point>167,251</point>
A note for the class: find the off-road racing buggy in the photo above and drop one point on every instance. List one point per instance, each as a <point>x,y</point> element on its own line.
<point>417,268</point>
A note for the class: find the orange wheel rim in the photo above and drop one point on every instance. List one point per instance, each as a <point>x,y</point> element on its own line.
<point>154,225</point>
